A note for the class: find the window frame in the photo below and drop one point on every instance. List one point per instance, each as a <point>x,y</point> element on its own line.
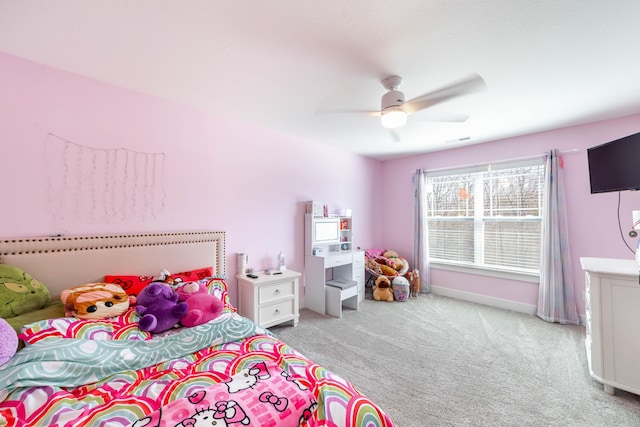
<point>519,274</point>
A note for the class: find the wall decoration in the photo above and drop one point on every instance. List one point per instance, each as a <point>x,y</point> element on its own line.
<point>100,185</point>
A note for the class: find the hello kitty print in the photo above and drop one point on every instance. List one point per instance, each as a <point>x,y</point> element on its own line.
<point>261,395</point>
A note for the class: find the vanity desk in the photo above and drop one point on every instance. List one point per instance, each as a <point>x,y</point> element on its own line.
<point>340,265</point>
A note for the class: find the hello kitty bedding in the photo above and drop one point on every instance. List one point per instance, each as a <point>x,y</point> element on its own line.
<point>108,372</point>
<point>227,372</point>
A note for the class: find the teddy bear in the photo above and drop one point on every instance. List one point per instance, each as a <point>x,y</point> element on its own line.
<point>96,301</point>
<point>159,308</point>
<point>202,307</point>
<point>8,341</point>
<point>382,289</point>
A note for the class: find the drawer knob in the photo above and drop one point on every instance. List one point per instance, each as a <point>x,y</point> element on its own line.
<point>277,311</point>
<point>277,291</point>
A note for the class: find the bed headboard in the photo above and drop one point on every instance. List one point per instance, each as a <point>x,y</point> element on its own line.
<point>64,262</point>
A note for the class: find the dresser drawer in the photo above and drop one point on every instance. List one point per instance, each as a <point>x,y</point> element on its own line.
<point>336,260</point>
<point>274,312</point>
<point>268,293</point>
<point>358,260</point>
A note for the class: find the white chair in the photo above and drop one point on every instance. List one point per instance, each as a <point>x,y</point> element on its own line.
<point>339,293</point>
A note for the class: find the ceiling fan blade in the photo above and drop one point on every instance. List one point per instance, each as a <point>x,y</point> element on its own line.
<point>471,84</point>
<point>443,116</point>
<point>339,110</point>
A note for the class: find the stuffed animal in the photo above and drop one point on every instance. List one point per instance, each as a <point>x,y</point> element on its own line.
<point>373,266</point>
<point>382,289</point>
<point>388,271</point>
<point>401,288</point>
<point>159,308</point>
<point>393,260</point>
<point>202,307</point>
<point>8,342</point>
<point>95,301</point>
<point>414,280</point>
<point>19,292</point>
<point>390,254</point>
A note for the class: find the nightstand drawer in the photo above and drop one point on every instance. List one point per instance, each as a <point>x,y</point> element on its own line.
<point>269,299</point>
<point>273,312</point>
<point>276,291</point>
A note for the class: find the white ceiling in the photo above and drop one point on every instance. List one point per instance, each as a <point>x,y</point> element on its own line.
<point>546,63</point>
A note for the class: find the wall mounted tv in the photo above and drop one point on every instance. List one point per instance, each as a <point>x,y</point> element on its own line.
<point>615,166</point>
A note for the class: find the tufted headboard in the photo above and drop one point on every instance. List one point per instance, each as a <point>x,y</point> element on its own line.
<point>65,262</point>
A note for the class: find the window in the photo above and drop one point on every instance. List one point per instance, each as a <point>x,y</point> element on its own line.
<point>487,217</point>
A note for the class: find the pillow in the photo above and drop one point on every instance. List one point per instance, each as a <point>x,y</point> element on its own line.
<point>53,310</point>
<point>95,301</point>
<point>260,395</point>
<point>132,285</point>
<point>192,276</point>
<point>19,292</point>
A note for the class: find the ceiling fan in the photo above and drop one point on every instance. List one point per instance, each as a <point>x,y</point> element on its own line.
<point>394,109</point>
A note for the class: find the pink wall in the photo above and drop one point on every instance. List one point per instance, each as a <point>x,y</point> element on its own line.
<point>219,174</point>
<point>252,182</point>
<point>593,223</point>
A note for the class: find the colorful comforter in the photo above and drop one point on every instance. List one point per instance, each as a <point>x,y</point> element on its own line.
<point>229,371</point>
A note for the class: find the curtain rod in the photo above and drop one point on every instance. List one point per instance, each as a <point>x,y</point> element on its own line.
<point>517,159</point>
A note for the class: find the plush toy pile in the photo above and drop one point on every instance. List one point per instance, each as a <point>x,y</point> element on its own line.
<point>393,280</point>
<point>162,304</point>
<point>387,263</point>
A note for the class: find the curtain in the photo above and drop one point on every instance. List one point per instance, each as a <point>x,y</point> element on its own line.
<point>556,299</point>
<point>421,232</point>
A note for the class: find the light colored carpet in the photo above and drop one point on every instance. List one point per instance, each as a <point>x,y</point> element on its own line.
<point>437,361</point>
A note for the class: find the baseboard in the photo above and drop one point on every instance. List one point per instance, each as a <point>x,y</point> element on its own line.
<point>486,300</point>
<point>519,307</point>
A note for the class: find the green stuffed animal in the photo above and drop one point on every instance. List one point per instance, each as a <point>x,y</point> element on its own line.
<point>19,292</point>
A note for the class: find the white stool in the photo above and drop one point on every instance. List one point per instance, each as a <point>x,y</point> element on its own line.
<point>338,294</point>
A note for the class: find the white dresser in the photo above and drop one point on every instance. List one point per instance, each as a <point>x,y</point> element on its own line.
<point>270,299</point>
<point>612,311</point>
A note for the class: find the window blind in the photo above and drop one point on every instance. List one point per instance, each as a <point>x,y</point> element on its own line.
<point>489,216</point>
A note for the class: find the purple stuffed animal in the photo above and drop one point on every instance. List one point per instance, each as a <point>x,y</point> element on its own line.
<point>159,308</point>
<point>202,306</point>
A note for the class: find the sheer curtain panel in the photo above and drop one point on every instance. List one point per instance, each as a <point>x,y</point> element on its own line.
<point>421,232</point>
<point>556,299</point>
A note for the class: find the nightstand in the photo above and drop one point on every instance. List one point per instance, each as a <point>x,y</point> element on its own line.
<point>270,299</point>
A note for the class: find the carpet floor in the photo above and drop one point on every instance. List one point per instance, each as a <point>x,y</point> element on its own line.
<point>438,361</point>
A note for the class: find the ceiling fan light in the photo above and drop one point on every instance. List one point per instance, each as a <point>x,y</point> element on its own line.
<point>393,119</point>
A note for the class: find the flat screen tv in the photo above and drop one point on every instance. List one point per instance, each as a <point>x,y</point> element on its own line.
<point>615,166</point>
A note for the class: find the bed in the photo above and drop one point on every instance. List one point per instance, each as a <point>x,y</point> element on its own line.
<point>107,372</point>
